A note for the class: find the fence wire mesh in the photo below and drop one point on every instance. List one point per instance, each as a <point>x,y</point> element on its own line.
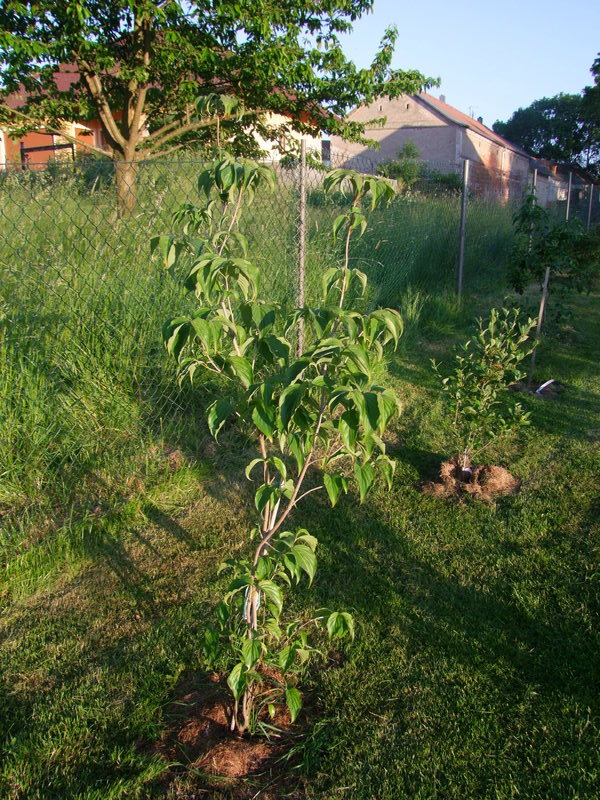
<point>89,402</point>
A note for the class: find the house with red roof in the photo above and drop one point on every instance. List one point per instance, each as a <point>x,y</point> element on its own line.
<point>444,137</point>
<point>38,147</point>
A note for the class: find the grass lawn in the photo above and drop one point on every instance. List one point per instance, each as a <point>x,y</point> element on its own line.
<point>475,672</point>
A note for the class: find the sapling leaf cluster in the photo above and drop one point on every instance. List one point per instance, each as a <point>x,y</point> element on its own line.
<point>480,408</point>
<point>547,244</point>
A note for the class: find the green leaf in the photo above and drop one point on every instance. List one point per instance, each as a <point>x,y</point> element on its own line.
<point>264,567</point>
<point>361,278</point>
<point>305,536</point>
<point>279,466</point>
<point>239,583</point>
<point>360,357</point>
<point>339,223</point>
<point>334,483</point>
<point>340,623</point>
<point>392,321</point>
<point>366,407</point>
<point>266,493</point>
<point>348,427</point>
<point>251,466</point>
<point>387,467</point>
<point>243,369</point>
<point>279,346</point>
<point>273,628</point>
<point>175,335</point>
<point>168,249</point>
<point>218,412</point>
<point>388,407</point>
<point>222,613</point>
<point>288,402</point>
<point>263,416</point>
<point>250,652</point>
<point>237,680</point>
<point>273,592</point>
<point>365,475</point>
<point>306,560</point>
<point>286,657</point>
<point>293,700</point>
<point>297,450</point>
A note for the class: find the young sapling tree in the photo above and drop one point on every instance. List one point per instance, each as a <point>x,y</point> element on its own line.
<point>548,252</point>
<point>480,407</point>
<point>319,412</point>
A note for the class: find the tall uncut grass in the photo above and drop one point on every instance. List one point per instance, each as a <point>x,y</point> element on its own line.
<point>90,408</point>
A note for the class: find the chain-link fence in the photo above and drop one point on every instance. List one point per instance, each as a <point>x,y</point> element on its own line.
<point>89,402</point>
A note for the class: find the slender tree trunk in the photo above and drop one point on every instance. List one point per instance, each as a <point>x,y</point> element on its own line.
<point>125,180</point>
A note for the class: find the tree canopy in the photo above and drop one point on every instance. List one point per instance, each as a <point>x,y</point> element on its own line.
<point>139,66</point>
<point>565,127</point>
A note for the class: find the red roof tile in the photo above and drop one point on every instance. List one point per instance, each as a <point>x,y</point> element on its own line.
<point>454,115</point>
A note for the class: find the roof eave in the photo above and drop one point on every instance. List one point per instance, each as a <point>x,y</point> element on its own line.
<point>505,143</point>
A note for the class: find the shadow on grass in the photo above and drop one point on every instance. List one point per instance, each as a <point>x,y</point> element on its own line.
<point>377,574</point>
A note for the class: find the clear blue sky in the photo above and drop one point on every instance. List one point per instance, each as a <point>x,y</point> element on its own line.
<point>491,57</point>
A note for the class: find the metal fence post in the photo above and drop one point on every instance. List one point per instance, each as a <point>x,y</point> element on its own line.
<point>589,214</point>
<point>463,229</point>
<point>301,243</point>
<point>568,211</point>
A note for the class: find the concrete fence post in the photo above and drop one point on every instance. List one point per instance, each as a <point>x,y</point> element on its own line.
<point>463,229</point>
<point>534,193</point>
<point>301,243</point>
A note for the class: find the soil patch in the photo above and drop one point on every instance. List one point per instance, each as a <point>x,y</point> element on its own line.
<point>550,391</point>
<point>199,737</point>
<point>483,482</point>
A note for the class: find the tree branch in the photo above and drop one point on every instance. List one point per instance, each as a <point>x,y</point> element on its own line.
<point>160,153</point>
<point>268,535</point>
<point>73,139</point>
<point>94,85</point>
<point>192,126</point>
<point>166,127</point>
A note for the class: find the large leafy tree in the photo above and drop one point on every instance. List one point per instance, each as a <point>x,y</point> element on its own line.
<point>559,128</point>
<point>140,67</point>
<point>591,108</point>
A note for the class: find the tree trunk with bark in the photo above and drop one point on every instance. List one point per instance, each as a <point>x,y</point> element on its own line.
<point>125,180</point>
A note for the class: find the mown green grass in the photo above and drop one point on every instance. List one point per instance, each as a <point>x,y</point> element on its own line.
<point>475,669</point>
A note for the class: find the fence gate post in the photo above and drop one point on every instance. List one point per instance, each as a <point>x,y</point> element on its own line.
<point>301,243</point>
<point>463,229</point>
<point>589,214</point>
<point>568,211</point>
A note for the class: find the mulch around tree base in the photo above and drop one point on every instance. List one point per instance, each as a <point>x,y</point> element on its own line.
<point>482,482</point>
<point>197,745</point>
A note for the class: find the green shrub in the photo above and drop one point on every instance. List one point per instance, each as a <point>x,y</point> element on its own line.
<point>479,407</point>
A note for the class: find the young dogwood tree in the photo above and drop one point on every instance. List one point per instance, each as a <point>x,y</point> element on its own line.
<point>315,413</point>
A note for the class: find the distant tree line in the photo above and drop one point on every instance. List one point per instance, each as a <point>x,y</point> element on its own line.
<point>564,128</point>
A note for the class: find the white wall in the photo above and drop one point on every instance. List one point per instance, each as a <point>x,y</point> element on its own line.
<point>313,144</point>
